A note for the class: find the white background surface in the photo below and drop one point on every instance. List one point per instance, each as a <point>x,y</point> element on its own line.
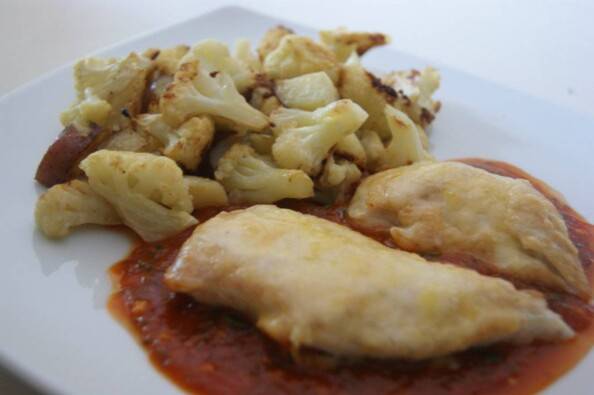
<point>543,48</point>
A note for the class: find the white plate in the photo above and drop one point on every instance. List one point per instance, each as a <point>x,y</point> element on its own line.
<point>55,330</point>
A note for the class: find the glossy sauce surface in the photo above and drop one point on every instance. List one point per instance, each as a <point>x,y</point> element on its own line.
<point>208,350</point>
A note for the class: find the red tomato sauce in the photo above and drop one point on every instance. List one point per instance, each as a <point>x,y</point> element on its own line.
<point>214,351</point>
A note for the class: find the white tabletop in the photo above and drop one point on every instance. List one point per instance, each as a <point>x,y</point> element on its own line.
<point>542,47</point>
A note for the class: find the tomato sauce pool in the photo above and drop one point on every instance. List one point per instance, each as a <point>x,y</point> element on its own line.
<point>214,351</point>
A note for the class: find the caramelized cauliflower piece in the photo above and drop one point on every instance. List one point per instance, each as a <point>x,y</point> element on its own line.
<point>147,191</point>
<point>271,40</point>
<point>156,87</point>
<point>265,103</point>
<point>221,147</point>
<point>167,60</point>
<point>119,82</point>
<point>213,56</point>
<point>131,140</point>
<point>65,206</point>
<point>206,192</point>
<point>189,141</point>
<point>365,89</point>
<point>417,87</point>
<point>195,92</point>
<point>262,142</point>
<point>243,53</point>
<point>405,147</point>
<point>339,175</point>
<point>298,55</point>
<point>337,181</point>
<point>88,111</point>
<point>373,146</point>
<point>166,63</point>
<point>185,144</point>
<point>307,92</point>
<point>351,148</point>
<point>305,138</point>
<point>262,95</point>
<point>343,42</point>
<point>252,178</point>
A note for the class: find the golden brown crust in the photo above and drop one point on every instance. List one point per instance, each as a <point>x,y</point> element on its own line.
<point>362,298</point>
<point>271,40</point>
<point>448,207</point>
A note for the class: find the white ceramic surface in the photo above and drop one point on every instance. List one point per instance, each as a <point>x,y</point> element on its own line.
<point>54,326</point>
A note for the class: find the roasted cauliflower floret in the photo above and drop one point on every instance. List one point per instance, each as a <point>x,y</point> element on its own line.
<point>131,140</point>
<point>336,181</point>
<point>147,191</point>
<point>264,102</point>
<point>90,110</point>
<point>243,53</point>
<point>351,148</point>
<point>213,56</point>
<point>365,89</point>
<point>262,142</point>
<point>339,172</point>
<point>417,87</point>
<point>120,83</point>
<point>307,92</point>
<point>206,192</point>
<point>252,178</point>
<point>343,42</point>
<point>263,97</point>
<point>338,178</point>
<point>222,146</point>
<point>185,144</point>
<point>196,92</point>
<point>167,60</point>
<point>166,63</point>
<point>373,146</point>
<point>405,146</point>
<point>305,138</point>
<point>271,40</point>
<point>156,88</point>
<point>298,55</point>
<point>65,206</point>
<point>189,141</point>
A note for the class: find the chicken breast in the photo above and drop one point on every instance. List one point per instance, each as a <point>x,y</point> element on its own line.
<point>310,282</point>
<point>443,207</point>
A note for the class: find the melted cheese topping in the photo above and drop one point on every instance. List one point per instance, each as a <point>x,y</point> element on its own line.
<point>452,207</point>
<point>309,282</point>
